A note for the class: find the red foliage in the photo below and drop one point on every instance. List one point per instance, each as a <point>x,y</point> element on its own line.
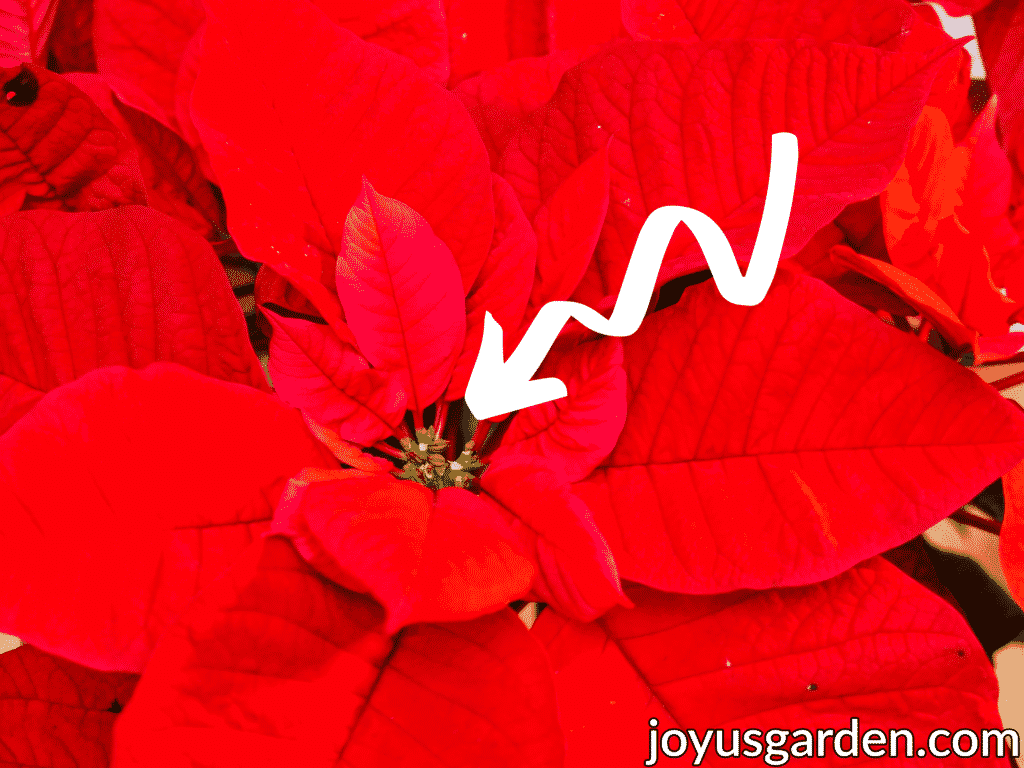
<point>319,572</point>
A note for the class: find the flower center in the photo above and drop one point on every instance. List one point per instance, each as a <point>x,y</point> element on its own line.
<point>427,464</point>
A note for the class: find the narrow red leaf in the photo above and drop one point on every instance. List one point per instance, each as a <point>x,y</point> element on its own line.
<point>274,665</point>
<point>336,111</point>
<point>59,149</point>
<point>576,571</point>
<point>503,285</point>
<point>424,555</point>
<point>988,182</point>
<point>781,444</point>
<point>330,381</point>
<point>574,433</point>
<point>123,287</point>
<point>400,288</point>
<point>870,644</point>
<point>568,226</point>
<point>915,292</point>
<point>164,477</point>
<point>52,709</point>
<point>722,170</point>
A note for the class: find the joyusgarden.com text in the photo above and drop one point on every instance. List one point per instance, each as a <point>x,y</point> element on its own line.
<point>777,746</point>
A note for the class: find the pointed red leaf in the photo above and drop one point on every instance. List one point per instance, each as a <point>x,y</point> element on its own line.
<point>59,149</point>
<point>400,288</point>
<point>576,571</point>
<point>123,287</point>
<point>987,185</point>
<point>781,444</point>
<point>142,42</point>
<point>870,644</point>
<point>577,432</point>
<point>913,291</point>
<point>500,99</point>
<point>503,285</point>
<point>330,381</point>
<point>424,555</point>
<point>924,211</point>
<point>878,23</point>
<point>1002,48</point>
<point>24,28</point>
<point>663,88</point>
<point>291,140</point>
<point>52,709</point>
<point>124,493</point>
<point>568,227</point>
<point>276,666</point>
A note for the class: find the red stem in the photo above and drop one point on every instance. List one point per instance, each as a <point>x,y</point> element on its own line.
<point>401,430</point>
<point>480,435</point>
<point>924,331</point>
<point>976,521</point>
<point>1009,381</point>
<point>439,417</point>
<point>383,447</point>
<point>417,419</point>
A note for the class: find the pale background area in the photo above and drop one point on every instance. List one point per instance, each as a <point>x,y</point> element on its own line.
<point>950,536</point>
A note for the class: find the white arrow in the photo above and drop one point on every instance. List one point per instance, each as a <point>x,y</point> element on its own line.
<point>497,386</point>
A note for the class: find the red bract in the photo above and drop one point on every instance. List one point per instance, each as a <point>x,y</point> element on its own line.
<point>401,293</point>
<point>53,709</point>
<point>664,87</point>
<point>998,25</point>
<point>425,556</point>
<point>332,383</point>
<point>752,437</point>
<point>174,182</point>
<point>24,28</point>
<point>870,644</point>
<point>60,151</point>
<point>154,499</point>
<point>125,287</point>
<point>276,666</point>
<point>341,109</point>
<point>878,23</point>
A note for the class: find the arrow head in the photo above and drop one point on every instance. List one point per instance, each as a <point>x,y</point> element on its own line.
<point>496,386</point>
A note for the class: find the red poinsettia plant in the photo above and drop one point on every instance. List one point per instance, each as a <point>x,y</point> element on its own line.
<point>279,537</point>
